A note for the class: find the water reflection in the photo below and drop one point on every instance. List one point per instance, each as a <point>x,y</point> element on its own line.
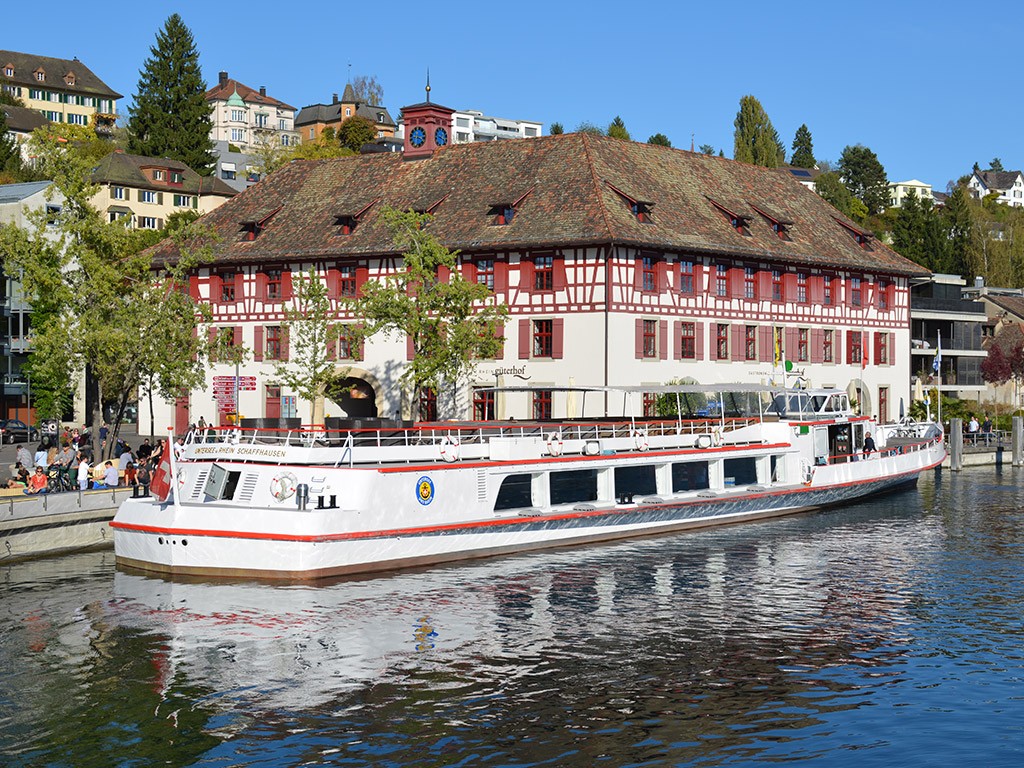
<point>800,638</point>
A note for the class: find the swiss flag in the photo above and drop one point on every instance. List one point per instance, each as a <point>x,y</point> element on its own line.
<point>160,487</point>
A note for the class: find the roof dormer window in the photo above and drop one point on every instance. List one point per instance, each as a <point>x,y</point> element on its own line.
<point>69,79</point>
<point>738,221</point>
<point>347,222</point>
<point>640,209</point>
<point>158,174</point>
<point>780,225</point>
<point>40,76</point>
<point>503,213</point>
<point>250,230</point>
<point>862,238</point>
<point>8,71</point>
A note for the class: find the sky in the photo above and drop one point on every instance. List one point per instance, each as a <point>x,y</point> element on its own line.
<point>930,87</point>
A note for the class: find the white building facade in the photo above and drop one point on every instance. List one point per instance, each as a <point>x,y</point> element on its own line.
<point>1007,185</point>
<point>898,192</point>
<point>247,118</point>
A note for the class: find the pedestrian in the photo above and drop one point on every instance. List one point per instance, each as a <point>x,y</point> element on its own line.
<point>986,429</point>
<point>126,457</point>
<point>130,474</point>
<point>65,460</point>
<point>110,476</point>
<point>145,450</point>
<point>25,458</point>
<point>20,478</point>
<point>37,482</point>
<point>41,458</point>
<point>104,431</point>
<point>972,429</point>
<point>869,444</point>
<point>179,447</point>
<point>142,478</point>
<point>84,471</point>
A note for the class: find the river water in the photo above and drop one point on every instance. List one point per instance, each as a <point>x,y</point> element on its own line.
<point>879,634</point>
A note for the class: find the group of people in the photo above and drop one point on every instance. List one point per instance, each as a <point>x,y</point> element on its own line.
<point>984,429</point>
<point>70,467</point>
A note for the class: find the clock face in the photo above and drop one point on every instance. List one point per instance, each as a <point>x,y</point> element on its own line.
<point>440,137</point>
<point>417,137</point>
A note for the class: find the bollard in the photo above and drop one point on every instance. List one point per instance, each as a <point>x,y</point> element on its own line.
<point>956,444</point>
<point>1017,441</point>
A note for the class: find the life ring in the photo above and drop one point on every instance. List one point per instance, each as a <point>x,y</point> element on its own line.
<point>282,485</point>
<point>450,448</point>
<point>555,444</point>
<point>806,471</point>
<point>716,436</point>
<point>640,439</point>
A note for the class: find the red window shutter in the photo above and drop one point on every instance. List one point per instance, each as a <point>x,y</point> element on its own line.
<point>284,345</point>
<point>638,274</point>
<point>848,285</point>
<point>639,339</point>
<point>410,348</point>
<point>736,282</point>
<point>362,275</point>
<point>239,286</point>
<point>216,284</point>
<point>789,286</point>
<point>499,334</point>
<point>868,291</point>
<point>558,273</point>
<point>261,286</point>
<point>698,279</point>
<point>360,352</point>
<point>500,276</point>
<point>817,345</point>
<point>444,274</point>
<point>211,335</point>
<point>286,287</point>
<point>738,342</point>
<point>663,339</point>
<point>699,331</point>
<point>332,343</point>
<point>333,283</point>
<point>677,340</point>
<point>892,348</point>
<point>257,343</point>
<point>792,342</point>
<point>878,346</point>
<point>525,339</point>
<point>817,289</point>
<point>468,271</point>
<point>767,351</point>
<point>764,283</point>
<point>865,349</point>
<point>675,276</point>
<point>193,287</point>
<point>557,333</point>
<point>525,275</point>
<point>664,281</point>
<point>237,334</point>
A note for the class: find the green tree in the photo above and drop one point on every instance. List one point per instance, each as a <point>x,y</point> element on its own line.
<point>556,129</point>
<point>660,139</point>
<point>170,116</point>
<point>803,148</point>
<point>963,233</point>
<point>324,148</point>
<point>864,176</point>
<point>368,90</point>
<point>356,131</point>
<point>588,127</point>
<point>996,164</point>
<point>308,372</point>
<point>10,155</point>
<point>706,149</point>
<point>756,141</point>
<point>617,129</point>
<point>452,323</point>
<point>831,188</point>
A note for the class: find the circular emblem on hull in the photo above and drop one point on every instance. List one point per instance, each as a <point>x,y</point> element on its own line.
<point>282,486</point>
<point>424,490</point>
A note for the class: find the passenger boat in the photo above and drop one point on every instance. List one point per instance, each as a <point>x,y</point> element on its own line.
<point>314,503</point>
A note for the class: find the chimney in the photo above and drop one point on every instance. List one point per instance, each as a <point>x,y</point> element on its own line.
<point>223,80</point>
<point>335,100</point>
<point>263,90</point>
<point>979,282</point>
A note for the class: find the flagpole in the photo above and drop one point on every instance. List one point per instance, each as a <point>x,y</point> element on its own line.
<point>938,374</point>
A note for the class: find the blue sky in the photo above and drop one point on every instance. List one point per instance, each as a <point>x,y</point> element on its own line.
<point>929,87</point>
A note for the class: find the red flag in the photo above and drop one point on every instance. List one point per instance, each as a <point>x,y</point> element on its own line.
<point>160,486</point>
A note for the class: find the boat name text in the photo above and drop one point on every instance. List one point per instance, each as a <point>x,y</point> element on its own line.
<point>238,450</point>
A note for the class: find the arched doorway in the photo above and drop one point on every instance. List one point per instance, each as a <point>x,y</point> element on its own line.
<point>858,391</point>
<point>353,395</point>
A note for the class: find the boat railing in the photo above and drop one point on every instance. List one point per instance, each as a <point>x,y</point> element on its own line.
<point>885,452</point>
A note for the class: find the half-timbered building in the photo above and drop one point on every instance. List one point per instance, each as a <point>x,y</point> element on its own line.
<point>621,264</point>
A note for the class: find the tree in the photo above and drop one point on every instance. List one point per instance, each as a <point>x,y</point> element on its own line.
<point>556,129</point>
<point>368,90</point>
<point>325,147</point>
<point>617,129</point>
<point>996,164</point>
<point>10,155</point>
<point>451,323</point>
<point>660,139</point>
<point>830,187</point>
<point>706,149</point>
<point>864,176</point>
<point>170,117</point>
<point>588,127</point>
<point>308,371</point>
<point>963,233</point>
<point>803,148</point>
<point>356,131</point>
<point>756,140</point>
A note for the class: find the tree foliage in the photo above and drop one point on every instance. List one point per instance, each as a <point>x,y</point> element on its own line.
<point>803,148</point>
<point>356,131</point>
<point>831,188</point>
<point>170,116</point>
<point>368,90</point>
<point>706,149</point>
<point>556,129</point>
<point>996,165</point>
<point>451,322</point>
<point>617,129</point>
<point>756,141</point>
<point>10,155</point>
<point>864,175</point>
<point>588,127</point>
<point>660,139</point>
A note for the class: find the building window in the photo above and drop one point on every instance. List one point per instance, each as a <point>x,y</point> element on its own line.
<point>282,125</point>
<point>312,133</point>
<point>483,405</point>
<point>226,174</point>
<point>273,283</point>
<point>149,222</point>
<point>118,193</point>
<point>777,292</point>
<point>52,214</point>
<point>750,342</point>
<point>147,196</point>
<point>882,351</point>
<point>348,281</point>
<point>650,274</point>
<point>237,134</point>
<point>348,111</point>
<point>8,72</point>
<point>650,405</point>
<point>41,76</point>
<point>749,283</point>
<point>485,272</point>
<point>261,121</point>
<point>348,346</point>
<point>853,347</point>
<point>285,139</point>
<point>158,175</point>
<point>801,287</point>
<point>827,290</point>
<point>855,291</point>
<point>227,287</point>
<point>542,404</point>
<point>544,273</point>
<point>650,340</point>
<point>36,94</point>
<point>113,216</point>
<point>826,346</point>
<point>183,201</point>
<point>273,341</point>
<point>721,341</point>
<point>721,280</point>
<point>802,345</point>
<point>238,115</point>
<point>428,404</point>
<point>686,278</point>
<point>543,331</point>
<point>883,294</point>
<point>74,119</point>
<point>177,177</point>
<point>688,341</point>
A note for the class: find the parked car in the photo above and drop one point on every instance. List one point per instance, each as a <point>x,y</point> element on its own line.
<point>17,431</point>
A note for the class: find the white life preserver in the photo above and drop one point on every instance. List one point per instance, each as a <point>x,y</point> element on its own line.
<point>806,471</point>
<point>450,448</point>
<point>640,439</point>
<point>716,436</point>
<point>555,444</point>
<point>282,485</point>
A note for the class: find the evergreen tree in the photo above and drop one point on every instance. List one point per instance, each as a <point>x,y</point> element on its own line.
<point>756,140</point>
<point>864,176</point>
<point>617,129</point>
<point>170,117</point>
<point>660,139</point>
<point>803,148</point>
<point>962,233</point>
<point>706,149</point>
<point>556,129</point>
<point>996,164</point>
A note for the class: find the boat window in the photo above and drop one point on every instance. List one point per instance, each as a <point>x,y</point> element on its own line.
<point>515,492</point>
<point>690,476</point>
<point>573,486</point>
<point>740,471</point>
<point>635,481</point>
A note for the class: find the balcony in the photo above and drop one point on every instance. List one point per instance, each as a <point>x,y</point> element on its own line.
<point>929,304</point>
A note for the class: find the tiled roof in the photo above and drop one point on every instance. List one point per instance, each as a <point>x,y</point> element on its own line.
<point>222,92</point>
<point>124,169</point>
<point>25,64</point>
<point>571,181</point>
<point>1012,304</point>
<point>22,119</point>
<point>997,180</point>
<point>331,113</point>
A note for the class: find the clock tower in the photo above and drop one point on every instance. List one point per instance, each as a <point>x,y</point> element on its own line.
<point>427,127</point>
